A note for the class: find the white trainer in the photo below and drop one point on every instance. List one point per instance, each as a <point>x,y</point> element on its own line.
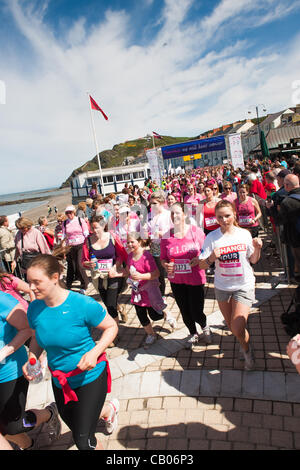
<point>193,339</point>
<point>150,339</point>
<point>249,360</point>
<point>111,423</point>
<point>207,334</point>
<point>172,322</point>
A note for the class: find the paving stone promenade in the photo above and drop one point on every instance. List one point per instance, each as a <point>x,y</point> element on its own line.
<point>175,399</point>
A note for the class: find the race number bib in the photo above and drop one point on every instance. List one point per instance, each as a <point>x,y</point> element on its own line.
<point>182,266</point>
<point>105,264</point>
<point>74,241</point>
<point>211,221</point>
<point>245,220</point>
<point>230,265</point>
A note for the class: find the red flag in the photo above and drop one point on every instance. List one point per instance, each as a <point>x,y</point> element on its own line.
<point>157,136</point>
<point>95,106</point>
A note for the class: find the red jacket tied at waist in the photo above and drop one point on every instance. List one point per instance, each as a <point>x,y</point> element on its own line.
<point>62,377</point>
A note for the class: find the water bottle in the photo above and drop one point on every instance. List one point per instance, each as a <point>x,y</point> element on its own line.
<point>172,274</point>
<point>34,369</point>
<point>94,260</point>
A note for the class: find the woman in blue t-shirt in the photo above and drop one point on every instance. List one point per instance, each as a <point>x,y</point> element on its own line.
<point>62,322</point>
<point>14,420</point>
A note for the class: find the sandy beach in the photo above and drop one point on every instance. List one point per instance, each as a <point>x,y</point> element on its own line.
<point>61,201</point>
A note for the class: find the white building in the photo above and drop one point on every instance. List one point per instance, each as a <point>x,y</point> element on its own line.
<point>114,180</point>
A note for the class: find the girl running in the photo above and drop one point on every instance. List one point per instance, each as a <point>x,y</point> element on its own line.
<point>110,254</point>
<point>146,295</point>
<point>233,251</point>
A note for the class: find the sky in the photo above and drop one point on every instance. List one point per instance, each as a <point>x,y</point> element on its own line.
<point>175,67</point>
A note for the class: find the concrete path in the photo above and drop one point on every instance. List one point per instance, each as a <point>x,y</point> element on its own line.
<point>172,398</point>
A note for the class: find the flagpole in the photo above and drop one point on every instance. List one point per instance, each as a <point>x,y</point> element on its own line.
<point>97,150</point>
<point>153,140</point>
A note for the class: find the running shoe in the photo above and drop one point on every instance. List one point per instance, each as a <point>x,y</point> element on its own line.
<point>193,339</point>
<point>111,423</point>
<point>249,360</point>
<point>172,322</point>
<point>123,313</point>
<point>150,339</point>
<point>207,334</point>
<point>54,424</point>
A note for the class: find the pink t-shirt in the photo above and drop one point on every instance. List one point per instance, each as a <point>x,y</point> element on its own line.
<point>182,250</point>
<point>229,197</point>
<point>145,264</point>
<point>192,199</point>
<point>192,202</point>
<point>75,233</point>
<point>11,286</point>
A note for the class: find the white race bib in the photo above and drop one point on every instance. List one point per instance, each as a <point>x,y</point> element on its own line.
<point>210,221</point>
<point>182,266</point>
<point>245,220</point>
<point>74,241</point>
<point>231,268</point>
<point>105,264</point>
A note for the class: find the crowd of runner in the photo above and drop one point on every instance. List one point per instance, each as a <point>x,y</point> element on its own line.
<point>200,222</point>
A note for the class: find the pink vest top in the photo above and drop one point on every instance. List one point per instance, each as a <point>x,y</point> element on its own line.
<point>245,213</point>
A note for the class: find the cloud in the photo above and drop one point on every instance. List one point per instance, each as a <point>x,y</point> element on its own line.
<point>179,83</point>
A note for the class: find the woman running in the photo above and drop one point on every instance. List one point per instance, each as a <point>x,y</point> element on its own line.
<point>248,211</point>
<point>210,222</point>
<point>15,422</point>
<point>110,255</point>
<point>146,296</point>
<point>191,201</point>
<point>75,231</point>
<point>233,251</point>
<point>159,223</point>
<point>187,283</point>
<point>228,193</point>
<point>62,322</point>
<point>29,242</point>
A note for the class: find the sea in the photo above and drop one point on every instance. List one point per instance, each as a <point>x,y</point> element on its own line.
<point>21,207</point>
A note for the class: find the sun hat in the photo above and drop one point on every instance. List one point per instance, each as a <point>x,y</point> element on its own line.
<point>70,209</point>
<point>123,209</point>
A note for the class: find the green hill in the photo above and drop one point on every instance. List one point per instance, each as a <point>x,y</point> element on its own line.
<point>116,156</point>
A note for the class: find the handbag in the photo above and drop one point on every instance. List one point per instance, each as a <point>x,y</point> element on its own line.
<point>27,256</point>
